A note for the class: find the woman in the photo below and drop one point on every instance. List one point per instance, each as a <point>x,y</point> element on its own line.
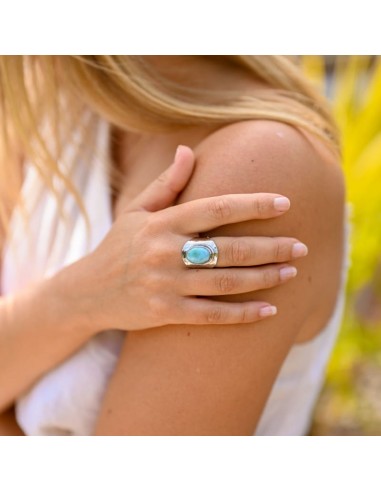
<point>257,129</point>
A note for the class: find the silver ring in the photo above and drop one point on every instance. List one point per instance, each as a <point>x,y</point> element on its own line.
<point>200,252</point>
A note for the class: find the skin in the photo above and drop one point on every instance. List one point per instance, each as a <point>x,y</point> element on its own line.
<point>148,391</point>
<point>8,424</point>
<point>105,288</point>
<point>214,380</point>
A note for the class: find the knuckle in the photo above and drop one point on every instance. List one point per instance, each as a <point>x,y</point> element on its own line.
<point>214,315</point>
<point>239,253</point>
<point>219,209</point>
<point>158,307</point>
<point>245,315</point>
<point>226,282</point>
<point>277,249</point>
<point>155,223</point>
<point>282,250</point>
<point>155,254</point>
<point>260,206</point>
<point>270,278</point>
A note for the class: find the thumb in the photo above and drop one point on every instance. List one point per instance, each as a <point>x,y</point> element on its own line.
<point>162,192</point>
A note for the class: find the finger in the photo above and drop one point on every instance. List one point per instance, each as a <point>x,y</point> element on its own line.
<point>205,214</point>
<point>162,192</point>
<point>252,251</point>
<point>206,312</point>
<point>234,280</point>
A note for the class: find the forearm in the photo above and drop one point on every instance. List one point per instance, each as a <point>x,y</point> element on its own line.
<point>39,327</point>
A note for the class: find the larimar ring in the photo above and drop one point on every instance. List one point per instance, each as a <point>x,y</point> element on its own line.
<point>200,252</point>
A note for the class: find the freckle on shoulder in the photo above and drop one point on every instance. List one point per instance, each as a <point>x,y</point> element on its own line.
<point>262,132</point>
<point>251,156</point>
<point>265,142</point>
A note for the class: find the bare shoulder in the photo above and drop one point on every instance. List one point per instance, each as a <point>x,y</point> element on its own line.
<point>272,155</point>
<point>269,156</point>
<point>171,380</point>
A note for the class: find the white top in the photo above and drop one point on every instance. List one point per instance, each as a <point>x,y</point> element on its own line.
<point>67,399</point>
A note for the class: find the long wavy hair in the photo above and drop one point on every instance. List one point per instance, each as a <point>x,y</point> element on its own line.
<point>54,92</point>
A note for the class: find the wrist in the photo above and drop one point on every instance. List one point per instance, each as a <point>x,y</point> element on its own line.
<point>69,302</point>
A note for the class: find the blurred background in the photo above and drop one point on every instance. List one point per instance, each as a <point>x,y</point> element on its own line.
<point>350,403</point>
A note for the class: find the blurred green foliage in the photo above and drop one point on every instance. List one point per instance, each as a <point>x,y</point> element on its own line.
<point>349,402</point>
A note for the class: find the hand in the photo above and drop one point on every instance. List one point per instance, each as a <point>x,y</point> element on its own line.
<point>136,278</point>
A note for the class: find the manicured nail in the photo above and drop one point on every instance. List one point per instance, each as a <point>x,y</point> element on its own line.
<point>299,250</point>
<point>287,272</point>
<point>281,204</point>
<point>177,152</point>
<point>267,311</point>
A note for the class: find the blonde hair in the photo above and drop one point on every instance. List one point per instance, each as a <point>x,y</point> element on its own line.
<point>132,95</point>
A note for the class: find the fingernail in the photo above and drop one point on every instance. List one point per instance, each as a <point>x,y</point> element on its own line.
<point>267,311</point>
<point>287,272</point>
<point>178,150</point>
<point>299,250</point>
<point>176,155</point>
<point>281,204</point>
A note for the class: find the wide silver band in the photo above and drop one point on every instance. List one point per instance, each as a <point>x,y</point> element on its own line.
<point>200,252</point>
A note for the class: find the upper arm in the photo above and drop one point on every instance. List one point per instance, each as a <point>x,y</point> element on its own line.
<point>215,379</point>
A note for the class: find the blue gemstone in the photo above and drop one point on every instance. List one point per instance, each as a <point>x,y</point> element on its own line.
<point>198,255</point>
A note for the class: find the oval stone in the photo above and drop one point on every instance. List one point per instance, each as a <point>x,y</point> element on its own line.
<point>198,255</point>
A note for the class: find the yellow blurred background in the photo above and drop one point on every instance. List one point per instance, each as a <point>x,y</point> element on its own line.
<point>350,403</point>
